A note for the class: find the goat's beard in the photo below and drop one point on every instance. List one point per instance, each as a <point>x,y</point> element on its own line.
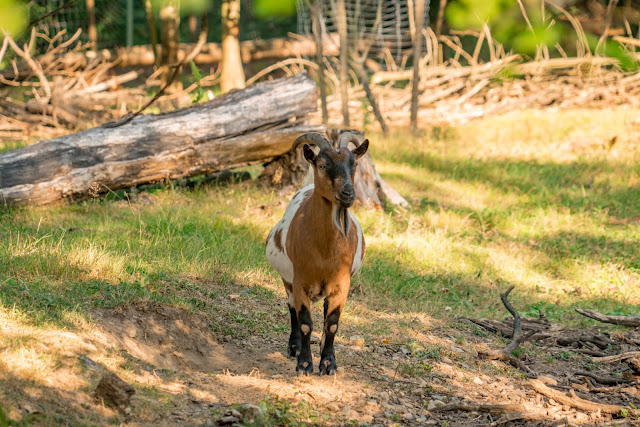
<point>341,219</point>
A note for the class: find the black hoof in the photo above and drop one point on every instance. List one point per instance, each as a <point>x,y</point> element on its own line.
<point>294,350</point>
<point>328,366</point>
<point>304,368</point>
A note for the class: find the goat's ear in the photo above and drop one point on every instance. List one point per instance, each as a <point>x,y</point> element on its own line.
<point>309,155</point>
<point>362,148</point>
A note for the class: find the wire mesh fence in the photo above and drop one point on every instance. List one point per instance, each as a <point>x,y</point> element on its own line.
<point>388,22</point>
<point>122,23</point>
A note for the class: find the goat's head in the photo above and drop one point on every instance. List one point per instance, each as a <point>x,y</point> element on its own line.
<point>334,169</point>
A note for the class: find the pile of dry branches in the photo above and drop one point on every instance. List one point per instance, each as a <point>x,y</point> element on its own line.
<point>606,385</point>
<point>45,94</point>
<point>451,92</point>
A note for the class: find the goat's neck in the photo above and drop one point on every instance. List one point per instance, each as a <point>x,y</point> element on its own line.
<point>336,216</point>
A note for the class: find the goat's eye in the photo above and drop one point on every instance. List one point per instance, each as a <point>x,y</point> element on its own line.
<point>322,167</point>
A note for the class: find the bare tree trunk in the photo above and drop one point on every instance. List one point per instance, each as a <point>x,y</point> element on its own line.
<point>232,76</point>
<point>417,53</point>
<point>169,35</point>
<point>344,59</point>
<point>93,34</point>
<point>153,33</point>
<point>316,23</point>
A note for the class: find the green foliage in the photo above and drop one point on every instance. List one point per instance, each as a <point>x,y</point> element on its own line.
<point>268,8</point>
<point>199,93</point>
<point>474,14</point>
<point>507,23</point>
<point>616,50</point>
<point>5,421</point>
<point>13,17</point>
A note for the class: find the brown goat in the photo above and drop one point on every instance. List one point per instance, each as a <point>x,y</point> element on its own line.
<point>318,245</point>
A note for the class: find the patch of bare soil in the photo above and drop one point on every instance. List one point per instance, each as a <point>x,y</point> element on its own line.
<point>185,373</point>
<point>426,377</point>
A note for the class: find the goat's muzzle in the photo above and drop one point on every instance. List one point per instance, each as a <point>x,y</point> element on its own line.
<point>346,197</point>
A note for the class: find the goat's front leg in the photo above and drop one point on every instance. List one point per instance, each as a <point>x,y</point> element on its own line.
<point>333,305</point>
<point>303,311</point>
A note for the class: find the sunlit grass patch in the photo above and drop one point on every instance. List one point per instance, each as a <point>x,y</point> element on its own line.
<point>546,201</point>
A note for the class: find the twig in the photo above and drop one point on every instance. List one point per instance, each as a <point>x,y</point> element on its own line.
<point>279,65</point>
<point>53,12</point>
<point>34,65</point>
<point>575,401</point>
<point>202,38</point>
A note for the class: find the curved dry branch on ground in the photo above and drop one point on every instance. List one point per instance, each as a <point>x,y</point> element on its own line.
<point>506,353</point>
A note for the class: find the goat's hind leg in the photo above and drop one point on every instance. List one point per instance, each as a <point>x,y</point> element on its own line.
<point>295,340</point>
<point>332,309</point>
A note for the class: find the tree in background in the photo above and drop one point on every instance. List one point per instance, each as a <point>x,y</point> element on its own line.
<point>169,39</point>
<point>232,75</point>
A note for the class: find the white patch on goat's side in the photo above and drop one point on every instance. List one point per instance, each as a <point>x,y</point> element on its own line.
<point>359,256</point>
<point>279,259</point>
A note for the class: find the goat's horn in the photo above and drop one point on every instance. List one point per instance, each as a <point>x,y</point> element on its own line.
<point>311,138</point>
<point>346,138</point>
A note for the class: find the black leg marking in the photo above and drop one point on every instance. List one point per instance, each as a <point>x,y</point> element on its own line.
<point>328,358</point>
<point>294,339</point>
<point>305,361</point>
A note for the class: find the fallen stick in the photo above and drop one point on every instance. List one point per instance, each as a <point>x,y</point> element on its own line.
<point>604,318</point>
<point>618,357</point>
<point>603,380</point>
<point>51,110</point>
<point>109,84</point>
<point>575,401</point>
<point>493,409</point>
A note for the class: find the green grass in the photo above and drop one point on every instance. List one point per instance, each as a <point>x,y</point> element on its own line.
<point>11,145</point>
<point>531,199</point>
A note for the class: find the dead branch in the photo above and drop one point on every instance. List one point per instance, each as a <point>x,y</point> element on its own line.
<point>53,12</point>
<point>616,320</point>
<point>506,353</point>
<point>475,407</point>
<point>37,69</point>
<point>618,357</point>
<point>51,110</point>
<point>575,401</point>
<point>202,38</point>
<point>601,379</point>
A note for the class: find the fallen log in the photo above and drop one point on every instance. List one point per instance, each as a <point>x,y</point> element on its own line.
<point>240,128</point>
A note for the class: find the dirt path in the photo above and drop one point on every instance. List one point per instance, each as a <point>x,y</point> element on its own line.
<point>184,373</point>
